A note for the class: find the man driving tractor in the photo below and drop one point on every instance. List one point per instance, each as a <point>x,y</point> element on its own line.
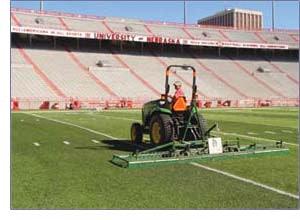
<point>178,91</point>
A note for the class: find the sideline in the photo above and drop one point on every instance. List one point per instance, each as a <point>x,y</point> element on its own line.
<point>73,125</point>
<point>194,164</point>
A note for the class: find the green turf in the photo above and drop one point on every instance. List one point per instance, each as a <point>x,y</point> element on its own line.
<point>79,175</point>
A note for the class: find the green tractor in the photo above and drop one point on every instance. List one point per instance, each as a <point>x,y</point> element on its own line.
<point>178,134</point>
<point>168,119</point>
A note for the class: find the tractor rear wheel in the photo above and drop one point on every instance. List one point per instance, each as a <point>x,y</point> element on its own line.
<point>161,129</point>
<point>136,133</point>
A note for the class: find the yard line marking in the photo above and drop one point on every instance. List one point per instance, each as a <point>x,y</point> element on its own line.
<point>36,144</point>
<point>270,132</point>
<point>95,141</point>
<point>66,142</point>
<point>74,125</point>
<point>251,133</point>
<point>287,131</point>
<point>246,180</point>
<point>195,164</point>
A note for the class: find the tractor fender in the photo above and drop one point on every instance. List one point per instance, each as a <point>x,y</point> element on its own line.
<point>160,110</point>
<point>157,110</point>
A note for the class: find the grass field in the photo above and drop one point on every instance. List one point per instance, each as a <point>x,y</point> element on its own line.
<point>58,165</point>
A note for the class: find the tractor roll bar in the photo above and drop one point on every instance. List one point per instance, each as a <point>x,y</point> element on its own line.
<point>184,67</point>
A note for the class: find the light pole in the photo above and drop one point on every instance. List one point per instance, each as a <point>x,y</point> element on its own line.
<point>184,12</point>
<point>41,5</point>
<point>273,16</point>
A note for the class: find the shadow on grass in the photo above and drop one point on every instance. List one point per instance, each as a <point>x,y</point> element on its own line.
<point>124,145</point>
<point>120,145</point>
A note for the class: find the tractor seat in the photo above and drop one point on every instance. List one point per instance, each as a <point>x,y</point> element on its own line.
<point>179,104</point>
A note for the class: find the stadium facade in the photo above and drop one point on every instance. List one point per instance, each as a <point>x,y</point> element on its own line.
<point>92,61</point>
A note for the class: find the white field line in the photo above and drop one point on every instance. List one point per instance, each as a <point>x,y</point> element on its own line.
<point>95,141</point>
<point>66,142</point>
<point>247,181</point>
<point>195,164</point>
<point>253,138</point>
<point>270,132</point>
<point>73,125</point>
<point>253,133</point>
<point>287,131</point>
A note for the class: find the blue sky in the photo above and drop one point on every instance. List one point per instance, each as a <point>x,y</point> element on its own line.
<point>286,12</point>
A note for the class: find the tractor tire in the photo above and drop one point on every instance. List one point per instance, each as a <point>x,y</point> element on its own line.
<point>161,129</point>
<point>136,133</point>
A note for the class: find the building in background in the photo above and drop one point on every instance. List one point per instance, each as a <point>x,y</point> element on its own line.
<point>236,18</point>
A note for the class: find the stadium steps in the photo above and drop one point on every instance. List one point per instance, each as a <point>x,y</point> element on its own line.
<point>225,36</point>
<point>205,34</point>
<point>260,38</point>
<point>290,66</point>
<point>135,74</point>
<point>120,27</point>
<point>271,76</point>
<point>282,71</point>
<point>233,76</point>
<point>38,21</point>
<point>147,68</point>
<point>112,73</point>
<point>40,72</point>
<point>85,25</point>
<point>148,29</point>
<point>67,75</point>
<point>15,20</point>
<point>63,23</point>
<point>107,27</point>
<point>90,74</point>
<point>242,36</point>
<point>295,39</point>
<point>257,79</point>
<point>167,31</point>
<point>25,83</point>
<point>278,38</point>
<point>190,35</point>
<point>219,77</point>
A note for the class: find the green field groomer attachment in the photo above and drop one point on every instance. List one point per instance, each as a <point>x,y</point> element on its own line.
<point>195,151</point>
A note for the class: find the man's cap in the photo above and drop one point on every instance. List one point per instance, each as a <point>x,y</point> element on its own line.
<point>177,83</point>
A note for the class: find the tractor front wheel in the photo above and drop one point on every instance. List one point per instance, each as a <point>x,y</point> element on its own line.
<point>136,133</point>
<point>161,129</point>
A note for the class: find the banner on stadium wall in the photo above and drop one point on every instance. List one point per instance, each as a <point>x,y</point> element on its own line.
<point>140,38</point>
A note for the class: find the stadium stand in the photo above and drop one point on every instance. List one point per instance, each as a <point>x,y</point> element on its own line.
<point>66,73</point>
<point>110,70</point>
<point>243,36</point>
<point>38,21</point>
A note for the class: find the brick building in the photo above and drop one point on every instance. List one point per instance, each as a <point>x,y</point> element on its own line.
<point>236,18</point>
